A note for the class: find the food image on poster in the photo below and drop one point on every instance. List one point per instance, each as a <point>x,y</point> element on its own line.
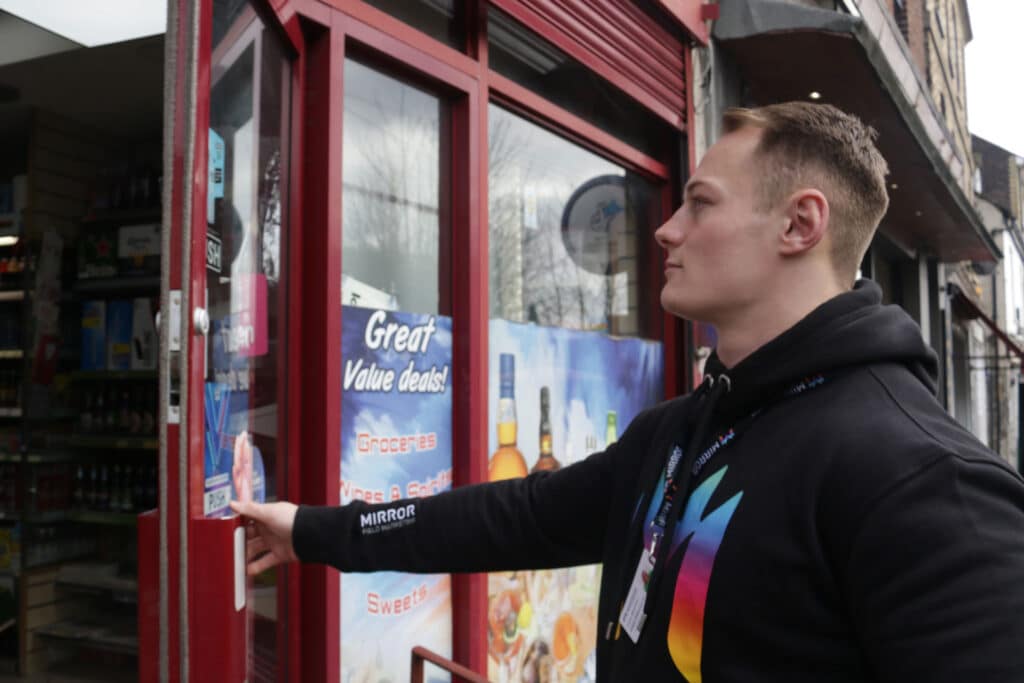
<point>396,418</point>
<point>555,397</point>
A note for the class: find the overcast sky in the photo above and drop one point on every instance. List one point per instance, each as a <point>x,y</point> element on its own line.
<point>995,61</point>
<point>93,22</point>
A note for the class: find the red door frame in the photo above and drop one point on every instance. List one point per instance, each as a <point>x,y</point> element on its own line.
<point>181,513</point>
<point>317,31</point>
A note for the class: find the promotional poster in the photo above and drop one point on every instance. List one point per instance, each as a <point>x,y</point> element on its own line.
<point>396,418</point>
<point>556,396</point>
<point>232,464</point>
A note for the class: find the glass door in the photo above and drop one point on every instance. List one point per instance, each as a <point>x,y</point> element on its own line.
<point>239,307</point>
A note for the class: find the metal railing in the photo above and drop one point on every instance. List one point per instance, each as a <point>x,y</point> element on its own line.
<point>422,654</point>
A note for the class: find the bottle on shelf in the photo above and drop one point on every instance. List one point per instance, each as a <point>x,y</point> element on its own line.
<point>546,462</point>
<point>99,413</point>
<point>507,462</point>
<point>126,489</point>
<point>85,418</point>
<point>78,496</point>
<point>110,416</point>
<point>124,416</point>
<point>103,488</point>
<point>92,486</point>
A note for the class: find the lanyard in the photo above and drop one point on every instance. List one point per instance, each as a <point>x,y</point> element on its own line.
<point>675,457</point>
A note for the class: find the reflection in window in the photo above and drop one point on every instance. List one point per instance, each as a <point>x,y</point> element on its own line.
<point>440,19</point>
<point>391,193</point>
<point>568,230</point>
<point>517,53</point>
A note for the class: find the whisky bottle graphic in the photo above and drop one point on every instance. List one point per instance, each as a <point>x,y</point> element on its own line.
<point>507,462</point>
<point>611,434</point>
<point>546,461</point>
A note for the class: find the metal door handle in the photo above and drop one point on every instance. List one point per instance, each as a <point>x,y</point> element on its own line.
<point>201,321</point>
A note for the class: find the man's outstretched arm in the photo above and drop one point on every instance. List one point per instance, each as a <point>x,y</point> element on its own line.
<point>543,520</point>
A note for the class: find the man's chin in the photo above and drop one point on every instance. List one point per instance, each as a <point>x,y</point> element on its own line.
<point>681,308</point>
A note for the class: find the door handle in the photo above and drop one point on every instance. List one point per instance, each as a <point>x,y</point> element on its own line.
<point>201,321</point>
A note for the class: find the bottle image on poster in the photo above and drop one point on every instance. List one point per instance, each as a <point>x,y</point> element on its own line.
<point>507,462</point>
<point>546,462</point>
<point>571,388</point>
<point>396,443</point>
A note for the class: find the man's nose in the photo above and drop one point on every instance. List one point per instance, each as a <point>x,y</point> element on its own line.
<point>668,233</point>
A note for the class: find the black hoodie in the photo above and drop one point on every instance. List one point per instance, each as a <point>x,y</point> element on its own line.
<point>835,524</point>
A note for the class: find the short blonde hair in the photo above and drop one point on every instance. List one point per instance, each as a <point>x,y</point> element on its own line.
<point>818,145</point>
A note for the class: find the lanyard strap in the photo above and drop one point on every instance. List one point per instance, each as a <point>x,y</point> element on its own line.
<point>675,457</point>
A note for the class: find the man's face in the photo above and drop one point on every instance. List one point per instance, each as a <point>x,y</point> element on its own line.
<point>720,245</point>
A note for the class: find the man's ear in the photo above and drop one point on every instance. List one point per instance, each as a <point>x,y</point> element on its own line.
<point>808,214</point>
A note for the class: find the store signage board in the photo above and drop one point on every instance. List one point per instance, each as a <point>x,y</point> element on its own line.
<point>396,416</point>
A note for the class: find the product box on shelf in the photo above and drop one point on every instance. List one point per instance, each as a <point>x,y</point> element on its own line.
<point>119,334</point>
<point>97,253</point>
<point>138,249</point>
<point>143,335</point>
<point>94,335</point>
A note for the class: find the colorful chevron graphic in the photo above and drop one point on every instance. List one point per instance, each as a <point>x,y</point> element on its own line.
<point>686,627</point>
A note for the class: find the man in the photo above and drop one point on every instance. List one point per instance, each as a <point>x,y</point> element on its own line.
<point>809,514</point>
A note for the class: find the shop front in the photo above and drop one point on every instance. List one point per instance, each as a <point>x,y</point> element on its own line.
<point>408,246</point>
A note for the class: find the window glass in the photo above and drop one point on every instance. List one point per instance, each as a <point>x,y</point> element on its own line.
<point>440,19</point>
<point>568,232</point>
<point>392,194</point>
<point>524,57</point>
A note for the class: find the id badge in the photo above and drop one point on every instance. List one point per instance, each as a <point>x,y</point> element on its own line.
<point>632,617</point>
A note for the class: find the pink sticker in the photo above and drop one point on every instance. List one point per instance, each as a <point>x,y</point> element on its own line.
<point>249,319</point>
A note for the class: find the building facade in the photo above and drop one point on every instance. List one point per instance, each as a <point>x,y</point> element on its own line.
<point>999,179</point>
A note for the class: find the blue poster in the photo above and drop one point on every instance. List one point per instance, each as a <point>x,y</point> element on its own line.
<point>396,442</point>
<point>232,463</point>
<point>556,396</point>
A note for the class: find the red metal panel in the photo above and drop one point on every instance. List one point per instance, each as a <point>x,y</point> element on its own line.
<point>369,17</point>
<point>148,607</point>
<point>690,14</point>
<point>471,316</point>
<point>220,654</point>
<point>320,274</point>
<point>578,31</point>
<point>292,489</point>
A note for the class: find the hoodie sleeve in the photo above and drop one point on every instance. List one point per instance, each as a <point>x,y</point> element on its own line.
<point>547,519</point>
<point>935,574</point>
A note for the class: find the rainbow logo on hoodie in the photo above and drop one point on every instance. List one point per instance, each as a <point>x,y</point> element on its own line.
<point>705,532</point>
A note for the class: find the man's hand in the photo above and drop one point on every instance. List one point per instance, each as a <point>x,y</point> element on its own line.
<point>269,536</point>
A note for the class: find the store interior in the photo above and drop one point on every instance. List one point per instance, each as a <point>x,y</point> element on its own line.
<point>80,187</point>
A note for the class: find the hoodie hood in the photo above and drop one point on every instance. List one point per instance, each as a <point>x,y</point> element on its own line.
<point>851,329</point>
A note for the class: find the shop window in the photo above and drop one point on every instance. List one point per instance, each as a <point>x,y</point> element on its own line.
<point>396,351</point>
<point>524,57</point>
<point>392,193</point>
<point>440,19</point>
<point>569,231</point>
<point>570,234</point>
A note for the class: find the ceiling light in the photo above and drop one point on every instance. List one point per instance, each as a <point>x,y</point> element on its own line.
<point>918,214</point>
<point>895,186</point>
<point>815,95</point>
<point>8,240</point>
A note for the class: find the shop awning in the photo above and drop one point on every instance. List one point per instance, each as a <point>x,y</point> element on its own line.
<point>860,64</point>
<point>966,308</point>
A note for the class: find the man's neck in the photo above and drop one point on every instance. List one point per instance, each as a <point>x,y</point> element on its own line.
<point>747,331</point>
